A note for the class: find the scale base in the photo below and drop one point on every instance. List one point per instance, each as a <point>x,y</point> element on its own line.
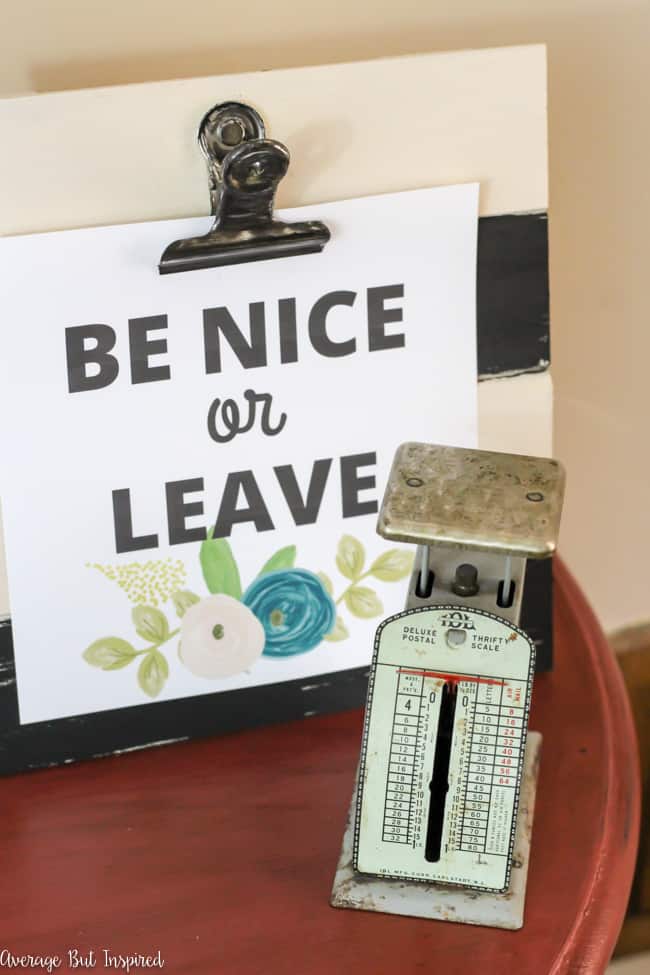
<point>440,902</point>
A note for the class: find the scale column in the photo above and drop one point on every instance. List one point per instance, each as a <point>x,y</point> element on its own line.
<point>510,735</point>
<point>482,756</point>
<point>400,784</point>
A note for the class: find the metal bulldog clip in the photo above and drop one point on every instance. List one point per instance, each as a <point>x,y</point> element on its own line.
<point>244,169</point>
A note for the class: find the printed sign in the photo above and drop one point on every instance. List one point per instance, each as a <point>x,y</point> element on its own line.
<point>193,462</point>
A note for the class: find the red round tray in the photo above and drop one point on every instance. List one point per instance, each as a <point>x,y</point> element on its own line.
<point>220,854</point>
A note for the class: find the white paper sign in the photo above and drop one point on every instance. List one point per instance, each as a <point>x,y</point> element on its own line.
<point>260,404</point>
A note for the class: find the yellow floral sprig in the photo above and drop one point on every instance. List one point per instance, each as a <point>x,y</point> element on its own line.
<point>151,582</point>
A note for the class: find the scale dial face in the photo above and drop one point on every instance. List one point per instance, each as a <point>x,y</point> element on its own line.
<point>443,748</point>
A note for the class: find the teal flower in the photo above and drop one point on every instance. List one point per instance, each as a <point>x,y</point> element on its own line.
<point>293,607</point>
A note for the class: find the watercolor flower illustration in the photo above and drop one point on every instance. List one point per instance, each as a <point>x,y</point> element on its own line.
<point>295,610</point>
<point>284,611</point>
<point>220,637</point>
<point>362,601</point>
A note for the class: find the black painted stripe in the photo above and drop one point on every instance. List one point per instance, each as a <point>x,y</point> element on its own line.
<point>512,295</point>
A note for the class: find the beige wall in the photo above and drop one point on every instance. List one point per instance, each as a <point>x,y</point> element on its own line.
<point>599,91</point>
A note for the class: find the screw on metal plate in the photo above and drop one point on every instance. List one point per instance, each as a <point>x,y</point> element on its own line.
<point>465,580</point>
<point>244,170</point>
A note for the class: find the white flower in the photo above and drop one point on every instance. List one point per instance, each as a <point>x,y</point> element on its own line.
<point>220,637</point>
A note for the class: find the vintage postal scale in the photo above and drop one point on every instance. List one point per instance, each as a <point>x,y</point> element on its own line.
<point>441,820</point>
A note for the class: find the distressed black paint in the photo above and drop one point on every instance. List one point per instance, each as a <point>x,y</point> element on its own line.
<point>512,294</point>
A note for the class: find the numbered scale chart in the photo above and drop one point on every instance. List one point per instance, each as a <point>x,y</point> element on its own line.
<point>400,808</point>
<point>443,749</point>
<point>493,751</point>
<point>485,758</point>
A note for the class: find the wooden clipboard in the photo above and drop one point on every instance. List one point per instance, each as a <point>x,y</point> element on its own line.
<point>129,154</point>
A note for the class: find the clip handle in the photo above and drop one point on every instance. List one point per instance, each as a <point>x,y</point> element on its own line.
<point>250,177</point>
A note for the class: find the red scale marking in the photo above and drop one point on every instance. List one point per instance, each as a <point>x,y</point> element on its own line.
<point>453,678</point>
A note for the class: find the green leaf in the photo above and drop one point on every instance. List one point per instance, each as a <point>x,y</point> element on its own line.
<point>109,653</point>
<point>393,565</point>
<point>339,632</point>
<point>182,600</point>
<point>327,582</point>
<point>150,623</point>
<point>219,567</point>
<point>153,673</point>
<point>363,602</point>
<point>350,557</point>
<point>284,558</point>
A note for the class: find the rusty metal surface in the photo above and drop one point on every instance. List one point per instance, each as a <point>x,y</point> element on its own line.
<point>477,499</point>
<point>444,903</point>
